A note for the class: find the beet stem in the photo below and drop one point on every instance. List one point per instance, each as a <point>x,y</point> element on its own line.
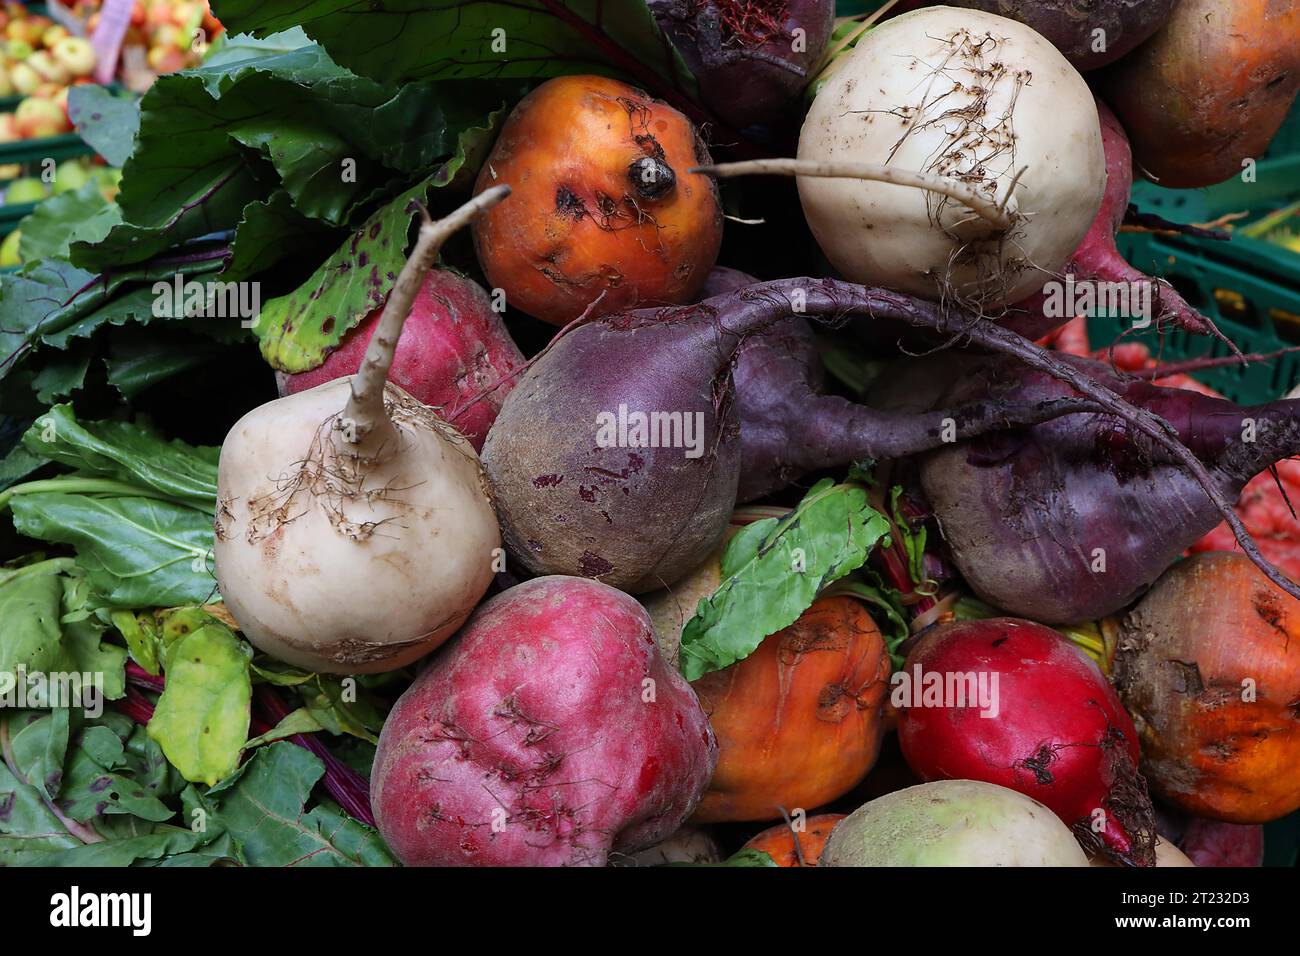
<point>365,407</point>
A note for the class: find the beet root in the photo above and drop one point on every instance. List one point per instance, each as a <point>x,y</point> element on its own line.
<point>616,455</point>
<point>747,57</point>
<point>454,355</point>
<point>1097,260</point>
<point>1208,664</point>
<point>1073,519</point>
<point>1090,35</point>
<point>1014,703</point>
<point>551,732</point>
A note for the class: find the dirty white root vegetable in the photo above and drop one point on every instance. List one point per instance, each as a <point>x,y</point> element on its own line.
<point>952,823</point>
<point>354,531</point>
<point>954,155</point>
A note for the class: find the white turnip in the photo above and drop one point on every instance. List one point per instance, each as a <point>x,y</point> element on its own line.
<point>952,823</point>
<point>354,532</point>
<point>955,155</point>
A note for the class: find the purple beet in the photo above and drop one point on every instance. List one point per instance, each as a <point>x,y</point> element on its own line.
<point>789,428</point>
<point>1072,519</point>
<point>618,454</point>
<point>750,57</point>
<point>1090,34</point>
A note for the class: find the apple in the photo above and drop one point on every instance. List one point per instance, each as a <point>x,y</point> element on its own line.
<point>166,59</point>
<point>50,69</point>
<point>8,132</point>
<point>18,49</point>
<point>9,249</point>
<point>76,55</point>
<point>24,79</point>
<point>19,30</point>
<point>37,118</point>
<point>25,190</point>
<point>6,84</point>
<point>69,176</point>
<point>54,34</point>
<point>60,99</point>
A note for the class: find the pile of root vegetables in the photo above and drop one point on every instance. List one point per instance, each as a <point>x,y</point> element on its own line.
<point>839,568</point>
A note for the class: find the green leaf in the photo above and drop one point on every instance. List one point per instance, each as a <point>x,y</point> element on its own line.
<point>264,812</point>
<point>40,747</point>
<point>62,375</point>
<point>29,830</point>
<point>131,453</point>
<point>201,720</point>
<point>162,841</point>
<point>342,710</point>
<point>141,639</point>
<point>136,552</point>
<point>299,721</point>
<point>772,571</point>
<point>31,638</point>
<point>885,606</point>
<point>105,120</point>
<point>136,364</point>
<point>18,464</point>
<point>913,539</point>
<point>401,40</point>
<point>298,330</point>
<point>81,215</point>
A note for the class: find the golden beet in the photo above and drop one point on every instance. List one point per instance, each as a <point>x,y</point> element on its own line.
<point>602,202</point>
<point>1208,664</point>
<point>788,847</point>
<point>798,722</point>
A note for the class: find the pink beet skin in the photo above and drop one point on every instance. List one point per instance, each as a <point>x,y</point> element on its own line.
<point>453,347</point>
<point>1098,258</point>
<point>549,733</point>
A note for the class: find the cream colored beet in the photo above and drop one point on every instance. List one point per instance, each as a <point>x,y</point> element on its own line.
<point>1030,117</point>
<point>348,600</point>
<point>354,529</point>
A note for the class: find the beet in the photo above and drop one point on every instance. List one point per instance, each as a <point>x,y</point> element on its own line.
<point>1073,519</point>
<point>1014,703</point>
<point>455,354</point>
<point>1071,26</point>
<point>580,491</point>
<point>743,54</point>
<point>1098,260</point>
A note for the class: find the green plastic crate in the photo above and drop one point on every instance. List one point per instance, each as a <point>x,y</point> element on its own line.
<point>1249,287</point>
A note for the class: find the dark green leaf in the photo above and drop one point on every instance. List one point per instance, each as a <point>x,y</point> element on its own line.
<point>131,453</point>
<point>263,810</point>
<point>403,40</point>
<point>81,215</point>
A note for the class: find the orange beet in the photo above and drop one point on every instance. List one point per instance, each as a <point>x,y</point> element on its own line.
<point>1208,664</point>
<point>779,842</point>
<point>602,202</point>
<point>799,721</point>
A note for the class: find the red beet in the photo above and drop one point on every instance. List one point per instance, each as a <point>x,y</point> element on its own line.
<point>1214,843</point>
<point>551,732</point>
<point>1056,731</point>
<point>453,348</point>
